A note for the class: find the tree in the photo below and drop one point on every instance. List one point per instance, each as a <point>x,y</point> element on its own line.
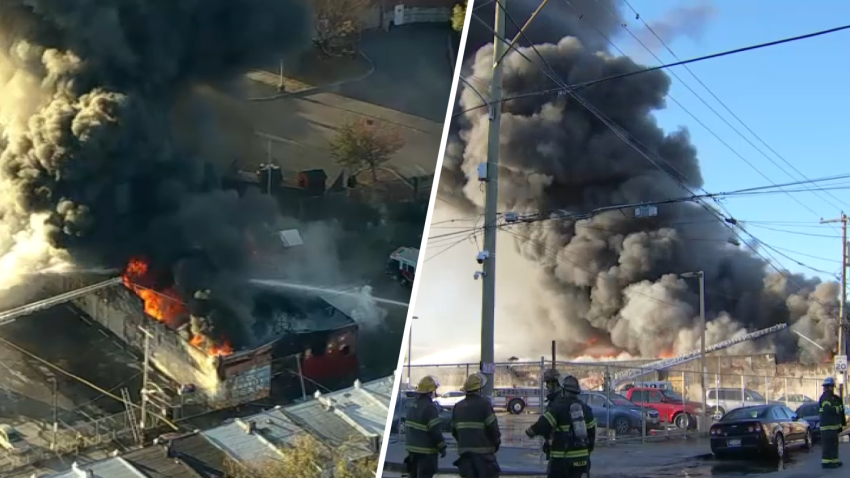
<point>459,16</point>
<point>338,24</point>
<point>361,144</point>
<point>307,458</point>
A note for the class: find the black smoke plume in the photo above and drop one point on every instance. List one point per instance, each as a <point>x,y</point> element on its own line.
<point>614,279</point>
<point>94,167</point>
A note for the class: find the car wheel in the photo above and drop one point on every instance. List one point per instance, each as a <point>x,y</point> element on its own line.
<point>779,446</point>
<point>681,420</point>
<point>808,442</point>
<point>622,425</point>
<point>718,414</point>
<point>516,406</point>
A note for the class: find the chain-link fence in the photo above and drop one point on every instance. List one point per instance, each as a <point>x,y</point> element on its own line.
<point>628,402</point>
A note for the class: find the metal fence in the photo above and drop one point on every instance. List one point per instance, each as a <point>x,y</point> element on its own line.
<point>680,413</point>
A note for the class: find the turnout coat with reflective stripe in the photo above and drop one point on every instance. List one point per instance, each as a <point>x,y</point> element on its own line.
<point>423,427</point>
<point>475,427</point>
<point>556,424</point>
<point>831,412</point>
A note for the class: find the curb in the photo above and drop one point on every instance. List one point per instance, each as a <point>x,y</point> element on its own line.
<point>317,89</point>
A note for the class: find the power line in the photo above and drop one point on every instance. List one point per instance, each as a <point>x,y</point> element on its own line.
<point>664,66</point>
<point>726,107</point>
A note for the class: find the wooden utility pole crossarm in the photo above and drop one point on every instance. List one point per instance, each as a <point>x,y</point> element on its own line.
<point>842,298</point>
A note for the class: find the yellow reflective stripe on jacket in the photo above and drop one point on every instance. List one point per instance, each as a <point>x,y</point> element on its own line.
<point>422,450</point>
<point>563,428</point>
<point>469,425</point>
<point>490,420</point>
<point>828,461</point>
<point>435,423</point>
<point>551,419</point>
<point>592,424</point>
<point>830,427</point>
<point>416,425</point>
<point>570,454</point>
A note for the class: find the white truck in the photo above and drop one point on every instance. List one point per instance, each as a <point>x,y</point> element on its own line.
<point>402,265</point>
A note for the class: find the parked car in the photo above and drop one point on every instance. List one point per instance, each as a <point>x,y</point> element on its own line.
<point>450,399</point>
<point>762,429</point>
<point>722,400</point>
<point>12,441</point>
<point>624,416</point>
<point>794,401</point>
<point>400,416</point>
<point>671,407</point>
<point>810,412</point>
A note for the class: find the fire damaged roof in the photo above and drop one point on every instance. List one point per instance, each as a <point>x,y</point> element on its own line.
<point>350,420</point>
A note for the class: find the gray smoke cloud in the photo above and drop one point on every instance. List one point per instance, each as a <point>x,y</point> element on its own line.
<point>93,167</point>
<point>613,279</point>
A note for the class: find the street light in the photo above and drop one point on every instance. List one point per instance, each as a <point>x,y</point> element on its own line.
<point>410,349</point>
<point>701,276</point>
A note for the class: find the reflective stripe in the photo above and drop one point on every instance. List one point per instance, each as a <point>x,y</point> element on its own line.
<point>551,419</point>
<point>563,428</point>
<point>830,427</point>
<point>570,454</point>
<point>481,450</point>
<point>828,461</point>
<point>416,426</point>
<point>435,423</point>
<point>592,424</point>
<point>489,420</point>
<point>469,425</point>
<point>419,449</point>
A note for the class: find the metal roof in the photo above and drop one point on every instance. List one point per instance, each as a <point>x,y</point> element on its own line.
<point>116,467</point>
<point>245,442</point>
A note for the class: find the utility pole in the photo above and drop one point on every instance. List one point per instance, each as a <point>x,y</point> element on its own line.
<point>842,298</point>
<point>145,377</point>
<point>55,401</point>
<point>488,303</point>
<point>702,369</point>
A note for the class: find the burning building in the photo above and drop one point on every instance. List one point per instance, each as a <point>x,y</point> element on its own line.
<point>294,334</point>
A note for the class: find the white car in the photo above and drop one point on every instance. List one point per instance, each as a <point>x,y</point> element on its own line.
<point>450,399</point>
<point>12,441</point>
<point>794,401</point>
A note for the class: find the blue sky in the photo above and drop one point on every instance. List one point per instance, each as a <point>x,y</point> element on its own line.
<point>794,96</point>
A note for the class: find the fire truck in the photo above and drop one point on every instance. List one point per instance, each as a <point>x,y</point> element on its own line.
<point>402,265</point>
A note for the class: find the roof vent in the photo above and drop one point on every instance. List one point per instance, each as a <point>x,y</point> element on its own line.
<point>358,384</point>
<point>250,426</point>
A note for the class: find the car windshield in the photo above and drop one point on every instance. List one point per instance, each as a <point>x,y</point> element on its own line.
<point>616,397</point>
<point>756,396</point>
<point>671,395</point>
<point>810,410</point>
<point>14,437</point>
<point>745,414</point>
<point>622,402</point>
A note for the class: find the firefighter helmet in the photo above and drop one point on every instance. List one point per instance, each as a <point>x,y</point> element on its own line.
<point>428,384</point>
<point>474,383</point>
<point>552,375</point>
<point>571,385</point>
<point>829,382</point>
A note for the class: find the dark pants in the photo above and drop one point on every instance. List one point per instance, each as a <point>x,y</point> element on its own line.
<point>474,465</point>
<point>420,465</point>
<point>829,447</point>
<point>568,468</point>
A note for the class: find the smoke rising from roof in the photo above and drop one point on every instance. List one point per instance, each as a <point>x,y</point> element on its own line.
<point>614,278</point>
<point>92,164</point>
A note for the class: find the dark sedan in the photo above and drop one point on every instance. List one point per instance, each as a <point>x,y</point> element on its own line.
<point>810,412</point>
<point>758,430</point>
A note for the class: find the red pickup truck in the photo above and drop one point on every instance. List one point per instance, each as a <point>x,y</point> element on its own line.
<point>671,407</point>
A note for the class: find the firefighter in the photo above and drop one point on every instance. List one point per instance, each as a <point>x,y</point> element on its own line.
<point>476,429</point>
<point>572,427</point>
<point>832,420</point>
<point>424,432</point>
<point>552,380</point>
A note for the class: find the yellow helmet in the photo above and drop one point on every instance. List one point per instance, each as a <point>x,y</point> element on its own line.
<point>428,384</point>
<point>474,383</point>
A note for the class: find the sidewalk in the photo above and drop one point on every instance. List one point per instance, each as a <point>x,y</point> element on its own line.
<point>616,459</point>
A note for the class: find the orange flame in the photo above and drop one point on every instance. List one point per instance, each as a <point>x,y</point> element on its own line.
<point>222,349</point>
<point>165,306</point>
<point>667,354</point>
